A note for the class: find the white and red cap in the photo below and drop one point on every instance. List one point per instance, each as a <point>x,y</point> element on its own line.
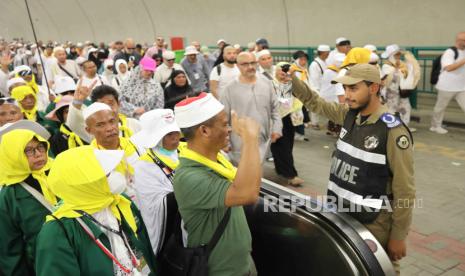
<point>196,110</point>
<point>155,125</point>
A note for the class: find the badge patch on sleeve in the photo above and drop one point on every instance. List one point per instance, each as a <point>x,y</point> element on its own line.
<point>403,142</point>
<point>390,120</point>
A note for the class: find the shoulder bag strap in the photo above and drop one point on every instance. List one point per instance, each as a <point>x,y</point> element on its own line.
<point>218,232</point>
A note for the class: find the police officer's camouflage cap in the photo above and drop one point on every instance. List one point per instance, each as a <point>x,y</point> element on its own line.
<point>360,72</point>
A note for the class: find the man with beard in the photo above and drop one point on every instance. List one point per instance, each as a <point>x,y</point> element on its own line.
<point>372,166</point>
<point>253,96</point>
<point>225,72</point>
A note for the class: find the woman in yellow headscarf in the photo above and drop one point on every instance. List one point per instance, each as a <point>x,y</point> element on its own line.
<point>27,100</point>
<point>23,167</point>
<point>43,98</point>
<point>96,231</point>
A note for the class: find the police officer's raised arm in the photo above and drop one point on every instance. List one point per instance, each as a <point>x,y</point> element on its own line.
<point>313,102</point>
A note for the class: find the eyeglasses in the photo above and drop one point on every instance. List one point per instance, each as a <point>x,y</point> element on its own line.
<point>132,48</point>
<point>7,100</point>
<point>247,64</point>
<point>41,148</point>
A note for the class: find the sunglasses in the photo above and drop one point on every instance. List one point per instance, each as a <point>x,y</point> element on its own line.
<point>133,48</point>
<point>7,100</point>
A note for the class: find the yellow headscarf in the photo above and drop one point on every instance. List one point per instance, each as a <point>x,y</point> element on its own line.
<point>356,56</point>
<point>14,166</point>
<point>78,179</point>
<point>31,83</point>
<point>19,93</point>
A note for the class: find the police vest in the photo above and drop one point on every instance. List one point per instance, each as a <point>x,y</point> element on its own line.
<point>359,170</point>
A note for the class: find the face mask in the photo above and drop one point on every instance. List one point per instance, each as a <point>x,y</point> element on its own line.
<point>117,183</point>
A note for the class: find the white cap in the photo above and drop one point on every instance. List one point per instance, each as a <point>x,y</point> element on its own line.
<point>373,58</point>
<point>94,108</point>
<point>155,125</point>
<point>79,45</point>
<point>168,55</point>
<point>390,50</point>
<point>220,40</point>
<point>263,53</point>
<point>190,50</point>
<point>58,48</point>
<point>341,39</point>
<point>323,48</point>
<point>237,46</point>
<point>22,68</point>
<point>14,81</point>
<point>25,124</point>
<point>108,159</point>
<point>64,84</point>
<point>371,47</point>
<point>195,110</point>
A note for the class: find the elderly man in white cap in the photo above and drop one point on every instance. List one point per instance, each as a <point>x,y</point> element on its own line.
<point>222,74</point>
<point>163,72</point>
<point>196,70</point>
<point>64,67</point>
<point>318,66</point>
<point>209,188</point>
<point>103,94</point>
<point>154,172</point>
<point>102,124</point>
<point>265,62</point>
<point>343,46</point>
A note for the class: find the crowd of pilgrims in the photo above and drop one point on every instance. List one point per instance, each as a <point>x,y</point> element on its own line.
<point>88,134</point>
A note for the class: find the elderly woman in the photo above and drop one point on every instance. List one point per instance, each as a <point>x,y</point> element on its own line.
<point>27,99</point>
<point>9,111</point>
<point>282,148</point>
<point>154,172</point>
<point>140,92</point>
<point>122,73</point>
<point>65,138</point>
<point>396,71</point>
<point>96,231</point>
<point>23,170</point>
<point>178,89</point>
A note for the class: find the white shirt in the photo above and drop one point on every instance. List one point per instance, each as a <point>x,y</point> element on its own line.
<point>316,70</point>
<point>163,73</point>
<point>152,186</point>
<point>330,91</point>
<point>227,74</point>
<point>88,81</point>
<point>453,81</point>
<point>70,66</point>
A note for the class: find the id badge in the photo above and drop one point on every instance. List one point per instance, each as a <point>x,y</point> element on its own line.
<point>196,76</point>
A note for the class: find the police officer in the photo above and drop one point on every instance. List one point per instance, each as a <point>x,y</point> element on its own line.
<point>372,166</point>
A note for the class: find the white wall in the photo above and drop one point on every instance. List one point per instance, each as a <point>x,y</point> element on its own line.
<point>381,22</point>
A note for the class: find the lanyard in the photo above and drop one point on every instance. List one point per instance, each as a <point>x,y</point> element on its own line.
<point>169,173</point>
<point>105,250</point>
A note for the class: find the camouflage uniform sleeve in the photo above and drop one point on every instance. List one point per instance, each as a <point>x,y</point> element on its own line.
<point>313,102</point>
<point>400,158</point>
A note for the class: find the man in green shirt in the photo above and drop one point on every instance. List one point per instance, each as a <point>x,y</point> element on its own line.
<point>206,184</point>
